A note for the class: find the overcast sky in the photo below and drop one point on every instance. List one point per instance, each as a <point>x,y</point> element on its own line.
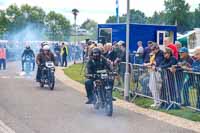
<point>99,10</point>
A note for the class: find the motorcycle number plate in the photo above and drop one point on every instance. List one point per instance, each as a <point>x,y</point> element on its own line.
<point>49,64</point>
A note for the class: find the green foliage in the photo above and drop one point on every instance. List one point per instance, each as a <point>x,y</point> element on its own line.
<point>58,26</point>
<point>197,17</point>
<point>15,18</point>
<point>177,12</point>
<point>91,26</point>
<point>136,16</point>
<point>157,18</point>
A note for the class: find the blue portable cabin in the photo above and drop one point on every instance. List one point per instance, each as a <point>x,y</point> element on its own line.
<point>109,33</point>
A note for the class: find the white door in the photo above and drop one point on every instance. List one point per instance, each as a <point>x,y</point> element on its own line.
<point>160,38</point>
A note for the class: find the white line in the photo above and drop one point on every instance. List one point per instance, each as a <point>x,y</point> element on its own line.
<point>5,77</point>
<point>5,129</point>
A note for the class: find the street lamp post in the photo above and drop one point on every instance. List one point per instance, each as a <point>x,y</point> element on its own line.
<point>127,75</point>
<point>117,11</point>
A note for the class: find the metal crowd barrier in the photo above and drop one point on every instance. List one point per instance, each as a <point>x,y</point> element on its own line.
<point>166,88</point>
<point>149,83</point>
<point>119,80</point>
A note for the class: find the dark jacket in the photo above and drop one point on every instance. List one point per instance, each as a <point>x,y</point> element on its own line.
<point>159,57</point>
<point>146,55</point>
<point>42,58</point>
<point>111,55</point>
<point>93,66</point>
<point>28,52</point>
<point>167,63</point>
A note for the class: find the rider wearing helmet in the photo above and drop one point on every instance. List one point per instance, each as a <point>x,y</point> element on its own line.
<point>44,56</point>
<point>28,52</point>
<point>95,63</point>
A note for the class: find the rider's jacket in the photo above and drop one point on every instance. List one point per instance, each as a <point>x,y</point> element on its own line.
<point>94,65</point>
<point>28,52</point>
<point>42,58</point>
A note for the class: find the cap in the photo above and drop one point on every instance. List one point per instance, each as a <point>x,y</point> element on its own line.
<point>183,50</point>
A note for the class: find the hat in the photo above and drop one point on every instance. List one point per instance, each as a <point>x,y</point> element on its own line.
<point>46,47</point>
<point>120,42</point>
<point>183,50</point>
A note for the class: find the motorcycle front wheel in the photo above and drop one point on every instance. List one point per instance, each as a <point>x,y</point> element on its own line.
<point>52,81</point>
<point>109,103</point>
<point>41,84</point>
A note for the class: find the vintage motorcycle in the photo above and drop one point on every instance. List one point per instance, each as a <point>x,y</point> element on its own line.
<point>102,93</point>
<point>47,75</point>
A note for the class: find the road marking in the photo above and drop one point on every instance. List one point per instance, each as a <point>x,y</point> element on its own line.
<point>5,77</point>
<point>5,129</point>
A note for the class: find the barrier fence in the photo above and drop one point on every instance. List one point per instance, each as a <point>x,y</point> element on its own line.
<point>168,88</point>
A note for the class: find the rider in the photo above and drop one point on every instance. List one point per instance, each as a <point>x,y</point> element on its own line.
<point>44,56</point>
<point>95,63</point>
<point>28,52</point>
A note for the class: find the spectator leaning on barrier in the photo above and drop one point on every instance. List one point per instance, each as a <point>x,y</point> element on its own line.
<point>182,80</point>
<point>196,76</point>
<point>168,91</point>
<point>169,59</point>
<point>155,80</point>
<point>196,68</point>
<point>64,54</point>
<point>169,44</point>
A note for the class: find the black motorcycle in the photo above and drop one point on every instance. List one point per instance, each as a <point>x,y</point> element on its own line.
<point>47,75</point>
<point>103,90</point>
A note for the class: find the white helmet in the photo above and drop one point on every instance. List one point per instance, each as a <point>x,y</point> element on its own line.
<point>46,47</point>
<point>28,46</point>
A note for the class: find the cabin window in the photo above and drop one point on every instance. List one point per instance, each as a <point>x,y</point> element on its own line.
<point>105,35</point>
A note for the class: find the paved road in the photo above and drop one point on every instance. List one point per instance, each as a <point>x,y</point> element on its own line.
<point>26,108</point>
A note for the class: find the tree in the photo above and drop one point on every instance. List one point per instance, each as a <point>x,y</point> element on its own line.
<point>13,14</point>
<point>157,18</point>
<point>3,23</point>
<point>197,17</point>
<point>177,12</point>
<point>91,26</point>
<point>58,26</point>
<point>34,14</point>
<point>136,16</point>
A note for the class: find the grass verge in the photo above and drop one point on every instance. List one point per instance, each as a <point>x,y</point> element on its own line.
<point>75,72</point>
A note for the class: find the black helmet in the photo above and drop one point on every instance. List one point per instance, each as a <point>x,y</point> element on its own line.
<point>96,53</point>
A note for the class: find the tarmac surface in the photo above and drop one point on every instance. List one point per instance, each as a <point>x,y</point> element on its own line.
<point>27,108</point>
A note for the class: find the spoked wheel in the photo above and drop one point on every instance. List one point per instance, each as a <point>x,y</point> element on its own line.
<point>109,104</point>
<point>52,82</point>
<point>96,103</point>
<point>41,84</point>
